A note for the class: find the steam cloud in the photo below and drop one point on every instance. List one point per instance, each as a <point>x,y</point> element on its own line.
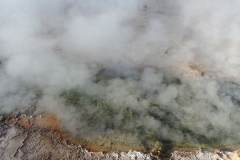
<point>138,47</point>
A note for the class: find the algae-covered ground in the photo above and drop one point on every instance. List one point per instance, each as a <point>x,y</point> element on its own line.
<point>132,132</point>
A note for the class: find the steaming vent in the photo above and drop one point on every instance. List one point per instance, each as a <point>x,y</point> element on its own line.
<point>121,75</point>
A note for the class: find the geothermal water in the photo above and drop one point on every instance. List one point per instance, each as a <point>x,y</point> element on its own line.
<point>124,75</point>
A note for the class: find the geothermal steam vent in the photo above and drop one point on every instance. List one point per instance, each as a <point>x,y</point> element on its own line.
<point>120,75</point>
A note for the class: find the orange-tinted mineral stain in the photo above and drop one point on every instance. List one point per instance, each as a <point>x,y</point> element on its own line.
<point>46,121</point>
<point>50,121</point>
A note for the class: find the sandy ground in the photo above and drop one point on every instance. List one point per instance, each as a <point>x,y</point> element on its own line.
<point>38,137</point>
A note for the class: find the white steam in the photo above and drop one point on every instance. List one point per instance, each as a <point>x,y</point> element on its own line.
<point>57,45</point>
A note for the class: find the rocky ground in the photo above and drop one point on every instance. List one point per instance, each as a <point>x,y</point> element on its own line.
<point>31,137</point>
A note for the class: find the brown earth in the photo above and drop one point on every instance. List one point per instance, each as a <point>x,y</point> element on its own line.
<point>49,121</point>
<point>35,137</point>
<point>40,137</point>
